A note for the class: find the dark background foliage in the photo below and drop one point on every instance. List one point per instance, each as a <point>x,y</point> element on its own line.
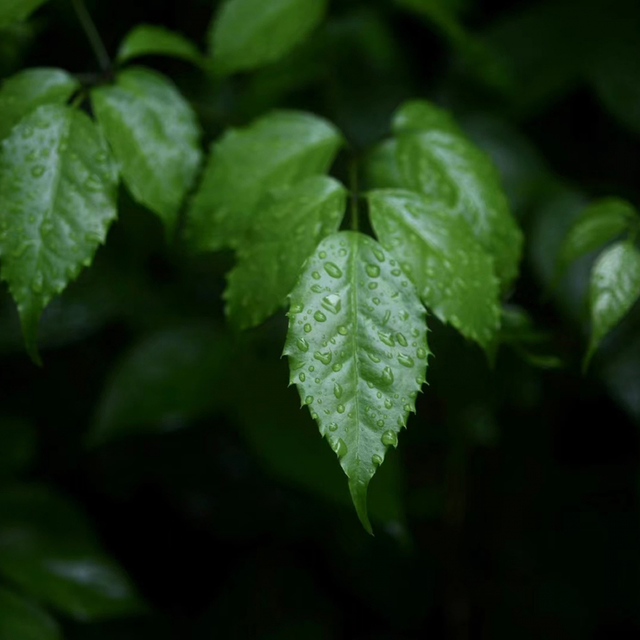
<point>510,508</point>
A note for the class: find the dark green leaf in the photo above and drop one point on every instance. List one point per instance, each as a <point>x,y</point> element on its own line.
<point>15,10</point>
<point>357,350</point>
<point>29,89</point>
<point>48,549</point>
<point>57,199</point>
<point>381,167</point>
<point>251,33</point>
<point>22,620</point>
<point>155,137</point>
<point>152,40</point>
<point>454,275</point>
<point>283,236</point>
<point>275,151</point>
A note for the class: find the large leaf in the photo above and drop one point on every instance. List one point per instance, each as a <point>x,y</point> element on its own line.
<point>29,89</point>
<point>454,275</point>
<point>357,348</point>
<point>148,39</point>
<point>49,550</point>
<point>155,137</point>
<point>275,151</point>
<point>251,33</point>
<point>15,10</point>
<point>600,222</point>
<point>615,286</point>
<point>435,159</point>
<point>22,620</point>
<point>283,236</point>
<point>57,199</point>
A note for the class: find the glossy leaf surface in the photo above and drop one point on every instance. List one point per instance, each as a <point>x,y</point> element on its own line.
<point>152,40</point>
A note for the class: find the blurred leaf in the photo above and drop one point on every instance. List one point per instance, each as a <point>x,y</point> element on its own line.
<point>155,137</point>
<point>48,549</point>
<point>362,395</point>
<point>251,33</point>
<point>154,40</point>
<point>381,167</point>
<point>30,89</point>
<point>22,620</point>
<point>57,200</point>
<point>621,373</point>
<point>16,10</point>
<point>17,447</point>
<point>452,272</point>
<point>284,235</point>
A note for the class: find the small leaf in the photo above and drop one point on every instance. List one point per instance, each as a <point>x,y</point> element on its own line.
<point>357,348</point>
<point>17,10</point>
<point>614,288</point>
<point>58,188</point>
<point>29,89</point>
<point>283,236</point>
<point>152,40</point>
<point>49,550</point>
<point>155,137</point>
<point>275,151</point>
<point>435,159</point>
<point>22,620</point>
<point>454,275</point>
<point>599,223</point>
<point>248,34</point>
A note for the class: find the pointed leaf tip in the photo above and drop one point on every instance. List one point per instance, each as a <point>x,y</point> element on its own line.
<point>358,489</point>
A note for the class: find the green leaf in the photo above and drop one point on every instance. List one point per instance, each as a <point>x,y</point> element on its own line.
<point>599,223</point>
<point>437,160</point>
<point>155,137</point>
<point>58,188</point>
<point>381,167</point>
<point>29,89</point>
<point>452,272</point>
<point>614,288</point>
<point>152,40</point>
<point>22,620</point>
<point>49,550</point>
<point>166,380</point>
<point>275,151</point>
<point>283,236</point>
<point>357,350</point>
<point>17,10</point>
<point>248,34</point>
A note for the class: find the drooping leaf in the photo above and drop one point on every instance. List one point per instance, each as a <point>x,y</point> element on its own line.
<point>155,137</point>
<point>49,550</point>
<point>455,174</point>
<point>247,34</point>
<point>23,620</point>
<point>600,222</point>
<point>154,40</point>
<point>614,288</point>
<point>358,351</point>
<point>452,272</point>
<point>284,235</point>
<point>58,187</point>
<point>275,151</point>
<point>16,10</point>
<point>29,89</point>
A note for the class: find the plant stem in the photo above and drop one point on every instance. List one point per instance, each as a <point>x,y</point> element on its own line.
<point>353,180</point>
<point>92,35</point>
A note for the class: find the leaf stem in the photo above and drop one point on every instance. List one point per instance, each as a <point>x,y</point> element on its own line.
<point>353,185</point>
<point>92,35</point>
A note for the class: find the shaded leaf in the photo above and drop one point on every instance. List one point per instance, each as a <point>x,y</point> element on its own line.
<point>22,620</point>
<point>452,272</point>
<point>275,151</point>
<point>155,137</point>
<point>58,188</point>
<point>16,10</point>
<point>381,167</point>
<point>357,350</point>
<point>154,40</point>
<point>283,236</point>
<point>251,33</point>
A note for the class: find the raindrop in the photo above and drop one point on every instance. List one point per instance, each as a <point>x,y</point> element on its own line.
<point>37,171</point>
<point>332,303</point>
<point>333,269</point>
<point>337,390</point>
<point>402,341</point>
<point>302,377</point>
<point>389,439</point>
<point>333,427</point>
<point>342,330</point>
<point>404,360</point>
<point>340,408</point>
<point>336,367</point>
<point>376,459</point>
<point>308,400</point>
<point>373,270</point>
<point>307,328</point>
<point>323,356</point>
<point>387,375</point>
<point>319,316</point>
<point>302,344</point>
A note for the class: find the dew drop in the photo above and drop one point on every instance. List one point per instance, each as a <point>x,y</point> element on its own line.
<point>323,356</point>
<point>340,448</point>
<point>319,316</point>
<point>378,254</point>
<point>333,427</point>
<point>308,400</point>
<point>389,439</point>
<point>332,303</point>
<point>421,353</point>
<point>387,339</point>
<point>37,171</point>
<point>402,341</point>
<point>302,377</point>
<point>340,408</point>
<point>387,375</point>
<point>333,269</point>
<point>315,275</point>
<point>373,285</point>
<point>388,404</point>
<point>336,367</point>
<point>342,330</point>
<point>337,390</point>
<point>376,459</point>
<point>373,270</point>
<point>302,344</point>
<point>316,288</point>
<point>307,328</point>
<point>404,360</point>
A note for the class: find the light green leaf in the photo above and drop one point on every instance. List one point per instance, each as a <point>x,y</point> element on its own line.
<point>58,187</point>
<point>283,236</point>
<point>22,620</point>
<point>29,89</point>
<point>357,348</point>
<point>452,272</point>
<point>455,174</point>
<point>49,550</point>
<point>153,40</point>
<point>247,34</point>
<point>614,288</point>
<point>599,223</point>
<point>275,151</point>
<point>16,10</point>
<point>155,137</point>
<point>420,115</point>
